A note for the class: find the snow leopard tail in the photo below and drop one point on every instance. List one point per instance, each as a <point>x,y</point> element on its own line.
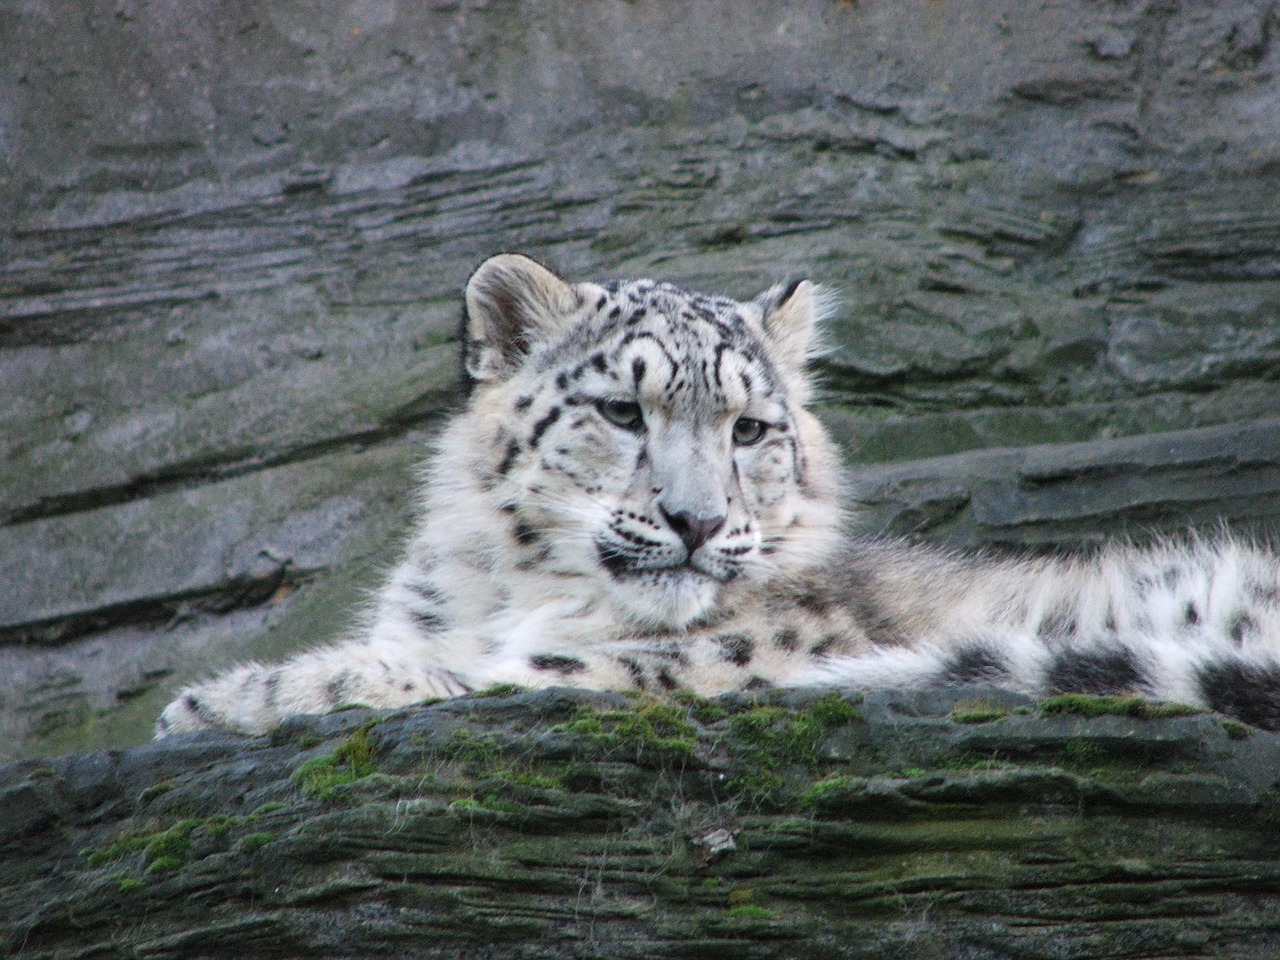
<point>1195,622</point>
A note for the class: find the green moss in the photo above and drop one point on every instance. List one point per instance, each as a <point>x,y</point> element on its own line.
<point>539,781</point>
<point>254,842</point>
<point>700,708</point>
<point>741,897</point>
<point>658,726</point>
<point>1087,705</point>
<point>653,729</point>
<point>828,787</point>
<point>978,711</point>
<point>1082,753</point>
<point>830,712</point>
<point>172,844</point>
<point>40,773</point>
<point>121,845</point>
<point>582,723</point>
<point>353,760</point>
<point>465,747</point>
<point>156,790</point>
<point>768,740</point>
<point>267,808</point>
<point>1236,730</point>
<point>129,884</point>
<point>165,864</point>
<point>969,760</point>
<point>495,802</point>
<point>750,911</point>
<point>168,848</point>
<point>796,735</point>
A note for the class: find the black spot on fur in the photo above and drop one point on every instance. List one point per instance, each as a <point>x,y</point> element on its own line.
<point>337,690</point>
<point>736,648</point>
<point>666,681</point>
<point>458,680</point>
<point>1098,672</point>
<point>975,663</point>
<point>787,639</point>
<point>524,403</point>
<point>1191,616</point>
<point>813,599</point>
<point>635,671</point>
<point>562,380</point>
<point>508,459</point>
<point>1246,691</point>
<point>617,564</point>
<point>1263,594</point>
<point>428,620</point>
<point>824,646</point>
<point>638,367</point>
<point>271,688</point>
<point>197,707</point>
<point>859,590</point>
<point>598,361</point>
<point>525,534</point>
<point>559,664</point>
<point>426,591</point>
<point>541,426</point>
<point>1241,627</point>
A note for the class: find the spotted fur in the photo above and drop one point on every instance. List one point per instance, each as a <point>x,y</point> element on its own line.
<point>636,496</point>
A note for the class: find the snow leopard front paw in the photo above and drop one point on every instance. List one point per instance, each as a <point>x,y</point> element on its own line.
<point>212,706</point>
<point>254,699</point>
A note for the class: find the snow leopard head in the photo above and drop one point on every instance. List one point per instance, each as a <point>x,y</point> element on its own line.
<point>646,436</point>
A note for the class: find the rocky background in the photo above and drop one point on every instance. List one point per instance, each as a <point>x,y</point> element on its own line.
<point>232,240</point>
<point>234,236</point>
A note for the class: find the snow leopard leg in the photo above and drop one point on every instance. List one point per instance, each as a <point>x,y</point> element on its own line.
<point>255,698</point>
<point>707,665</point>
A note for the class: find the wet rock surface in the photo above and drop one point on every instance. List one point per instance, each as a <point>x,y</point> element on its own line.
<point>964,823</point>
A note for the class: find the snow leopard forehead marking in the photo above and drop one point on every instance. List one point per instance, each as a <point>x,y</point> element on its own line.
<point>693,354</point>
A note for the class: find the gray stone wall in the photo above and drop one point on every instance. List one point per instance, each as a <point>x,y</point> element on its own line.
<point>233,236</point>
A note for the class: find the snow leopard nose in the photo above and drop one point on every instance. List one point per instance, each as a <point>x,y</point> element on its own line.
<point>693,529</point>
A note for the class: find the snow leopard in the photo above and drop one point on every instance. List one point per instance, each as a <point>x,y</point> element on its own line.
<point>637,496</point>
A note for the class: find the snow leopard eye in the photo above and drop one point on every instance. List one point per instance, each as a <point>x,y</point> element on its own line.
<point>747,431</point>
<point>622,413</point>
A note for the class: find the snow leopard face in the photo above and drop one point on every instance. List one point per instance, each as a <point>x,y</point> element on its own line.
<point>646,437</point>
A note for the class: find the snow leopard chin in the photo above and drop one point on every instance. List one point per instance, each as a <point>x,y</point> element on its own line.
<point>674,599</point>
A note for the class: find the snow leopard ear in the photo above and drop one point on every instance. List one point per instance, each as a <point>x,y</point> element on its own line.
<point>790,315</point>
<point>513,304</point>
